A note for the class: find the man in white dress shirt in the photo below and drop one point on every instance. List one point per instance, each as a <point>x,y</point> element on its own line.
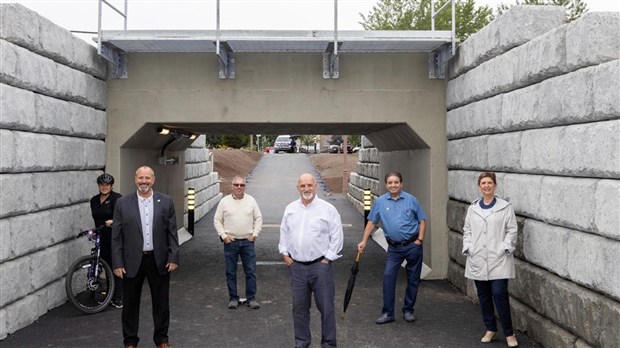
<point>310,239</point>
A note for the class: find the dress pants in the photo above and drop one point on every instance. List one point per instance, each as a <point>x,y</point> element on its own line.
<point>132,291</point>
<point>495,291</point>
<point>413,253</point>
<point>317,278</point>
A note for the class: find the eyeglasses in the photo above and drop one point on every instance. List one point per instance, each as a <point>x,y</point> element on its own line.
<point>239,185</point>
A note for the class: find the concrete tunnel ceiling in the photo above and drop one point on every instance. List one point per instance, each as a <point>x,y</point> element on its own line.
<point>384,136</point>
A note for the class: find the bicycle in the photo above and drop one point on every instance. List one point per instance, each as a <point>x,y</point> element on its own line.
<point>90,281</point>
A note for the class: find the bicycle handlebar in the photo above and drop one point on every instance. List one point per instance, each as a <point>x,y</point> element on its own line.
<point>94,230</point>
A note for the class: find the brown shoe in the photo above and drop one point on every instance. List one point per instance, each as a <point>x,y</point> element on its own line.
<point>164,345</point>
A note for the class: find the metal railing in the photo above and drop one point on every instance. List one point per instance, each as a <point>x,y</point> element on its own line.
<point>434,14</point>
<point>99,24</point>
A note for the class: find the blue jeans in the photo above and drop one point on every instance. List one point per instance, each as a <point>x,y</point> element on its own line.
<point>395,256</point>
<point>495,291</point>
<point>232,251</point>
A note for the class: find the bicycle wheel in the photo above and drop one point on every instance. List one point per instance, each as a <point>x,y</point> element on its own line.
<point>88,293</point>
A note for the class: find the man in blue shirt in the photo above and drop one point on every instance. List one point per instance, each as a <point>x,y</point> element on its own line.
<point>404,225</point>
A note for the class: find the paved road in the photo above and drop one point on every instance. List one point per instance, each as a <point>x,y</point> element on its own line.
<point>200,318</point>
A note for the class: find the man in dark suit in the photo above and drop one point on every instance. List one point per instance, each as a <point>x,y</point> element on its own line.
<point>145,245</point>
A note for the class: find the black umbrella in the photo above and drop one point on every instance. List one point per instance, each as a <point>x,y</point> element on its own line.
<point>351,284</point>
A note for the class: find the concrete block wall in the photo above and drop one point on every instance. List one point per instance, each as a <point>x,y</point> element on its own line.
<point>367,176</point>
<point>52,130</point>
<point>199,174</point>
<point>537,100</point>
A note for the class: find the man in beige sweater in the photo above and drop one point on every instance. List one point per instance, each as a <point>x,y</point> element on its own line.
<point>238,222</point>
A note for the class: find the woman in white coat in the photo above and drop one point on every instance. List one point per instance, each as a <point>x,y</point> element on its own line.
<point>489,238</point>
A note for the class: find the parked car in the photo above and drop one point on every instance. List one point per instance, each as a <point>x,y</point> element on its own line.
<point>356,149</point>
<point>349,148</point>
<point>333,149</point>
<point>284,143</point>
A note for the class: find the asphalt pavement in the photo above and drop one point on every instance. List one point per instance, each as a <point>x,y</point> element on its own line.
<point>199,297</point>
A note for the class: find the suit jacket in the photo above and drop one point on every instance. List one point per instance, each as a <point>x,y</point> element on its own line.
<point>127,238</point>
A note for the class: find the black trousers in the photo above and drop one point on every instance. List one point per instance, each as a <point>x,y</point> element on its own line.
<point>132,291</point>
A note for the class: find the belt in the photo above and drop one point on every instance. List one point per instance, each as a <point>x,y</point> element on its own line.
<point>149,252</point>
<point>310,262</point>
<point>403,243</point>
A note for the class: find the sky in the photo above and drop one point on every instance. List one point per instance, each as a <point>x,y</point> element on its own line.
<point>82,15</point>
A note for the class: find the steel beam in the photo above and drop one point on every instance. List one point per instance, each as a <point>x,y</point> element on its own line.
<point>226,61</point>
<point>437,60</point>
<point>118,58</point>
<point>331,62</point>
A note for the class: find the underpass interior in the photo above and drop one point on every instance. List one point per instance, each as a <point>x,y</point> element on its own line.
<point>400,149</point>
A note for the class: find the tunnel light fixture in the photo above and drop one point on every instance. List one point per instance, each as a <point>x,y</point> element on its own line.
<point>163,131</point>
<point>176,133</point>
<point>367,199</point>
<point>191,192</point>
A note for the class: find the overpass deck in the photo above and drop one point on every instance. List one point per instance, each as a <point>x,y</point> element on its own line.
<point>276,40</point>
<point>115,44</point>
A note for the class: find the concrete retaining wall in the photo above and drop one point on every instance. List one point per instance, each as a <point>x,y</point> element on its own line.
<point>199,174</point>
<point>366,177</point>
<point>53,96</point>
<point>537,100</point>
<point>52,130</point>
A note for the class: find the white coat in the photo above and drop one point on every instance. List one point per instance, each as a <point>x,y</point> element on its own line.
<point>489,242</point>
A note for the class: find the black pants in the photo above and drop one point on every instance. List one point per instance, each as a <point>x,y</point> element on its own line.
<point>106,255</point>
<point>495,291</point>
<point>132,291</point>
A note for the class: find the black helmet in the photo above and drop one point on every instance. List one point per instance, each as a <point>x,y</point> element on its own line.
<point>105,178</point>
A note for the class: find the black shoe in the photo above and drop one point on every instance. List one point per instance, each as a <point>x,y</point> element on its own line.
<point>384,319</point>
<point>116,303</point>
<point>409,317</point>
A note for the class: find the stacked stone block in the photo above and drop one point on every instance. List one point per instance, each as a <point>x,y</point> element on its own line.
<point>52,130</point>
<point>366,177</point>
<point>542,110</point>
<point>199,174</point>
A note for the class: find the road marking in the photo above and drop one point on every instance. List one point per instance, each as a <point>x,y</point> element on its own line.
<point>267,263</point>
<point>278,225</point>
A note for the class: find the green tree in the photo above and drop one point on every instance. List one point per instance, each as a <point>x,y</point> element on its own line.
<point>308,139</point>
<point>235,141</point>
<point>416,15</point>
<point>574,8</point>
<point>355,140</point>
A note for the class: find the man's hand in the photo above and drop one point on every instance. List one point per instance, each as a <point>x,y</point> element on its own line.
<point>108,223</point>
<point>171,266</point>
<point>228,239</point>
<point>119,272</point>
<point>252,238</point>
<point>361,246</point>
<point>287,260</point>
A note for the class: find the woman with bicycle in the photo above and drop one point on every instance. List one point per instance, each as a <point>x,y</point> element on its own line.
<point>102,208</point>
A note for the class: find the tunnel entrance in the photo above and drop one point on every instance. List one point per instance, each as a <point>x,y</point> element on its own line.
<point>386,96</point>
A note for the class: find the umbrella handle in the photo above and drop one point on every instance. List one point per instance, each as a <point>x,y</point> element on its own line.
<point>357,258</point>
